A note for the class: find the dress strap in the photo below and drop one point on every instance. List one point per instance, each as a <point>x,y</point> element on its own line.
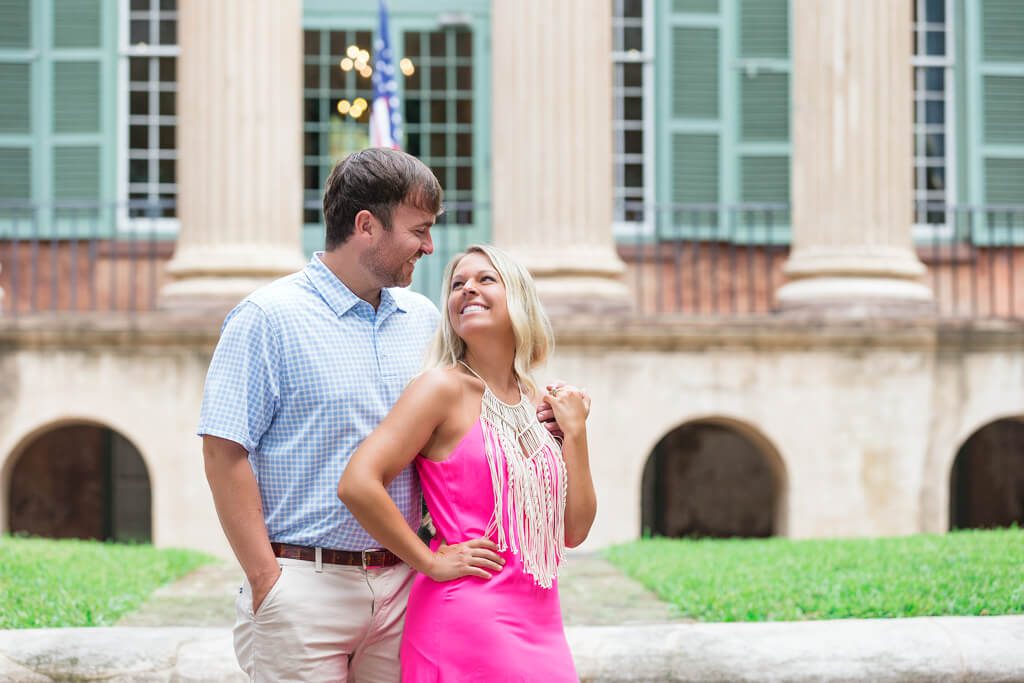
<point>466,365</point>
<point>488,386</point>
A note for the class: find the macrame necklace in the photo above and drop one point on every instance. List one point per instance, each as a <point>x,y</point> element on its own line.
<point>522,453</point>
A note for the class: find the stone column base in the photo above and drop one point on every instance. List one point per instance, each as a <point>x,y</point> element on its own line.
<point>867,281</point>
<point>850,296</point>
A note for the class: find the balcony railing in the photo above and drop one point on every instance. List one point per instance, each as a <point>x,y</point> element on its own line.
<point>106,257</point>
<point>681,259</point>
<point>710,259</point>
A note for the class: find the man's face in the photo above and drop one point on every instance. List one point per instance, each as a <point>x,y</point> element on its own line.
<point>393,256</point>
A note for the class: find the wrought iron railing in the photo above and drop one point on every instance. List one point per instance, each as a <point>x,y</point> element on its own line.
<point>111,257</point>
<point>710,259</point>
<point>681,259</point>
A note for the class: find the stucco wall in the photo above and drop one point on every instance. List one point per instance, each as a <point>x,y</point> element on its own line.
<point>862,422</point>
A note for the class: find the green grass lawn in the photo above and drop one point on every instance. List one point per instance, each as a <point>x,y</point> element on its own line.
<point>46,583</point>
<point>959,573</point>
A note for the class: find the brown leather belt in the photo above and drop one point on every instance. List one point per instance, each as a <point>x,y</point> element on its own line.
<point>367,559</point>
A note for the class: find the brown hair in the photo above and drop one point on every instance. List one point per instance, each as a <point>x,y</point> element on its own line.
<point>376,180</point>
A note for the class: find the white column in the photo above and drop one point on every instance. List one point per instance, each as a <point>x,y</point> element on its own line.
<point>239,148</point>
<point>852,168</point>
<point>552,146</point>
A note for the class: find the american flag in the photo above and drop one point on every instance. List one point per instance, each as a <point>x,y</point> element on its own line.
<point>385,119</point>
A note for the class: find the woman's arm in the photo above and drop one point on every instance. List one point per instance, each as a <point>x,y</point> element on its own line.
<point>570,407</point>
<point>405,431</point>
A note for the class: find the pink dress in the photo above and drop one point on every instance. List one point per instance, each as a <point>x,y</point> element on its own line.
<point>500,630</point>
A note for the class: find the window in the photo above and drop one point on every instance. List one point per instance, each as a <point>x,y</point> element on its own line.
<point>56,64</point>
<point>632,117</point>
<point>16,70</point>
<point>934,120</point>
<point>148,70</point>
<point>439,111</point>
<point>723,103</point>
<point>337,93</point>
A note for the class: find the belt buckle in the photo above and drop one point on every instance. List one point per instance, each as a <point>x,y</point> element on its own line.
<point>366,564</point>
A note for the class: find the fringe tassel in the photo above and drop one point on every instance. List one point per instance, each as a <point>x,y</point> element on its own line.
<point>522,454</point>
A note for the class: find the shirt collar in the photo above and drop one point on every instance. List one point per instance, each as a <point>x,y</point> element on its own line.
<point>338,296</point>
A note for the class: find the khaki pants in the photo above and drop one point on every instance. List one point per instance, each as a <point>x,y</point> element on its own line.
<point>336,624</point>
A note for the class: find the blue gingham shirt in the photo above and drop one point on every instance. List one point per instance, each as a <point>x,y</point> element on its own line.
<point>303,372</point>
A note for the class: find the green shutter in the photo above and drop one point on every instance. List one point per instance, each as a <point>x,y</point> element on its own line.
<point>764,28</point>
<point>15,24</point>
<point>76,172</point>
<point>996,72</point>
<point>695,6</point>
<point>15,173</point>
<point>764,107</point>
<point>689,69</point>
<point>764,179</point>
<point>1004,109</point>
<point>76,97</point>
<point>1002,25</point>
<point>695,73</point>
<point>1004,181</point>
<point>761,155</point>
<point>77,23</point>
<point>15,95</point>
<point>695,172</point>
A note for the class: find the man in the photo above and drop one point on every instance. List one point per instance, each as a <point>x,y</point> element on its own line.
<point>305,369</point>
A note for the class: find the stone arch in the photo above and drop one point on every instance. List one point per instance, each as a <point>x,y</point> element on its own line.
<point>986,479</point>
<point>78,478</point>
<point>714,476</point>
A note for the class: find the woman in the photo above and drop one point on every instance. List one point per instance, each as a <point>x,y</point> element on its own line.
<point>505,498</point>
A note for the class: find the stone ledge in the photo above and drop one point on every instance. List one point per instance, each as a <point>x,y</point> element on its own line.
<point>191,329</point>
<point>976,649</point>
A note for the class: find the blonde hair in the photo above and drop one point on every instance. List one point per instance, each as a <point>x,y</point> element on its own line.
<point>530,325</point>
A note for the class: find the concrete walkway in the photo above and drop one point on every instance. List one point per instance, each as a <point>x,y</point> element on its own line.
<point>618,631</point>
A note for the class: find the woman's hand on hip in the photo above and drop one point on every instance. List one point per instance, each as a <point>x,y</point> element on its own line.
<point>477,557</point>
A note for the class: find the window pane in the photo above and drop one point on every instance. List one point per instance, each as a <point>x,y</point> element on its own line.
<point>633,142</point>
<point>168,69</point>
<point>311,42</point>
<point>168,32</point>
<point>166,137</point>
<point>633,38</point>
<point>633,75</point>
<point>167,171</point>
<point>167,104</point>
<point>139,31</point>
<point>138,171</point>
<point>936,43</point>
<point>138,69</point>
<point>138,104</point>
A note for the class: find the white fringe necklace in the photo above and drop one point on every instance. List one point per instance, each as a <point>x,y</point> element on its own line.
<point>522,452</point>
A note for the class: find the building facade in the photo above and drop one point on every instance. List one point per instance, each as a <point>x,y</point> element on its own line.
<point>778,239</point>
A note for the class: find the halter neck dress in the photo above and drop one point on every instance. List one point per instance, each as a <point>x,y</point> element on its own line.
<point>501,630</point>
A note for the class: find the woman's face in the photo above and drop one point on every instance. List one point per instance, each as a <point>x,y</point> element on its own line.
<point>476,302</point>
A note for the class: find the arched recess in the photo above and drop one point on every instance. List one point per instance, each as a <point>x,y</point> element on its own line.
<point>714,477</point>
<point>79,479</point>
<point>986,482</point>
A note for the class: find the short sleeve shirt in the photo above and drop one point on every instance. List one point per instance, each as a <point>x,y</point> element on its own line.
<point>303,372</point>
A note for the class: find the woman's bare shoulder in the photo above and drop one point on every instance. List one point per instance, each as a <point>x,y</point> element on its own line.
<point>437,384</point>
